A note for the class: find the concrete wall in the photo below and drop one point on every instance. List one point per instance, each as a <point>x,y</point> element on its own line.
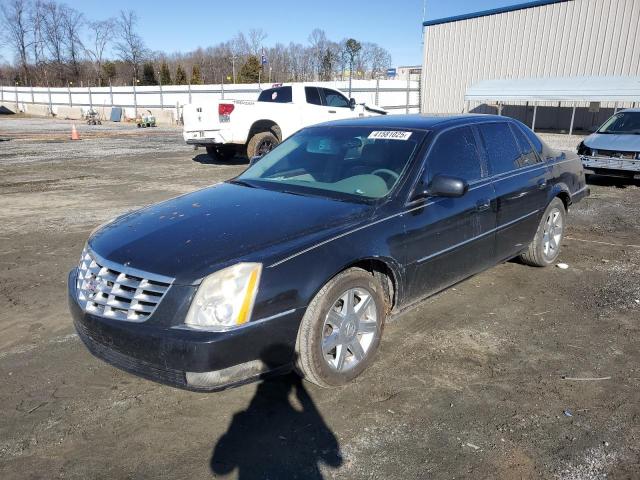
<point>563,39</point>
<point>166,102</point>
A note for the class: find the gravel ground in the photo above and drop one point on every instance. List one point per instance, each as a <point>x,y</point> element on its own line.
<point>476,382</point>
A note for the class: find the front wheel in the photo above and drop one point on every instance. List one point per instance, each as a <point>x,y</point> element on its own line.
<point>545,247</point>
<point>341,329</point>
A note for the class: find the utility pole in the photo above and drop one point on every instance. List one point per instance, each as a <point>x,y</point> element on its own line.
<point>233,67</point>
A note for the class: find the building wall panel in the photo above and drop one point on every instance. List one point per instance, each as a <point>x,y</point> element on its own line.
<point>573,38</point>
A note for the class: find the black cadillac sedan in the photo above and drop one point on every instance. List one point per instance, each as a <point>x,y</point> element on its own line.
<point>298,262</point>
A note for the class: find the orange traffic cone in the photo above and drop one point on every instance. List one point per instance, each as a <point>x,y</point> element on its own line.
<point>74,133</point>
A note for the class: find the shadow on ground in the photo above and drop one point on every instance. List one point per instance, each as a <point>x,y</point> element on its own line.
<point>205,159</point>
<point>604,181</point>
<point>281,434</point>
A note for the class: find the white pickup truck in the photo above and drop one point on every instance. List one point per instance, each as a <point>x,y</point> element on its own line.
<point>227,127</point>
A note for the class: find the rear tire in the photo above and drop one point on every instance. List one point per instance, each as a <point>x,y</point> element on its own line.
<point>339,335</point>
<point>545,247</point>
<point>221,153</point>
<point>261,143</point>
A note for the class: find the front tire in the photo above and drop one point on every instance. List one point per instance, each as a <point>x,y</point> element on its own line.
<point>221,153</point>
<point>545,247</point>
<point>341,329</point>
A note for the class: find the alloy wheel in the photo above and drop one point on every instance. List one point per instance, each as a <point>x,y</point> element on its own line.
<point>349,329</point>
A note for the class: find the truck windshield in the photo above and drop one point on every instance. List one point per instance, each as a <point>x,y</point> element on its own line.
<point>626,123</point>
<point>351,162</point>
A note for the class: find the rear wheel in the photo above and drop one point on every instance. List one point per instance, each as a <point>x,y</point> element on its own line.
<point>261,143</point>
<point>341,329</point>
<point>545,247</point>
<point>221,153</point>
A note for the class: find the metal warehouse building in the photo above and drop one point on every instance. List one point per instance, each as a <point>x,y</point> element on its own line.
<point>561,39</point>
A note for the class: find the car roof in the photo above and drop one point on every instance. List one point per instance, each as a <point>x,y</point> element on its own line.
<point>415,121</point>
<point>629,110</point>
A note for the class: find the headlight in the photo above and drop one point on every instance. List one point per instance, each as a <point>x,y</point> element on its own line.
<point>225,298</point>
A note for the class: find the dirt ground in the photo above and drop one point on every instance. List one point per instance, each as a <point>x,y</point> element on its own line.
<point>516,373</point>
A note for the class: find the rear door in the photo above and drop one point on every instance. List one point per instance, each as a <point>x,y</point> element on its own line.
<point>448,239</point>
<point>520,180</point>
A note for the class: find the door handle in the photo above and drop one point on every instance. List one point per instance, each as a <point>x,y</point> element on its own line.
<point>542,184</point>
<point>483,205</point>
<point>332,111</point>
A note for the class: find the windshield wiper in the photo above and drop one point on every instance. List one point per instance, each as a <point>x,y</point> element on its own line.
<point>244,183</point>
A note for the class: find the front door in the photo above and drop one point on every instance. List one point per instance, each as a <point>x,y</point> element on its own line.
<point>448,239</point>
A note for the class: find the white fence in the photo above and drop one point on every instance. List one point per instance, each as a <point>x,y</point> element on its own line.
<point>397,96</point>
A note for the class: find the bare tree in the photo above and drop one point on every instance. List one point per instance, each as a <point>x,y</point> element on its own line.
<point>318,41</point>
<point>18,32</point>
<point>54,31</point>
<point>256,37</point>
<point>36,17</point>
<point>72,22</point>
<point>131,48</point>
<point>101,36</point>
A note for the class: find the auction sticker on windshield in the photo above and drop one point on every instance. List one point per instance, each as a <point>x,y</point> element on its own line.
<point>389,135</point>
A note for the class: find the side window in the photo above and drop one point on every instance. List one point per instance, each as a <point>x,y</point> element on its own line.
<point>455,153</point>
<point>502,151</point>
<point>276,95</point>
<point>313,95</point>
<point>533,138</point>
<point>528,156</point>
<point>335,99</point>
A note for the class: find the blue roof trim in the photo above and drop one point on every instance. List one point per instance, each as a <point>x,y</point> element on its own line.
<point>495,11</point>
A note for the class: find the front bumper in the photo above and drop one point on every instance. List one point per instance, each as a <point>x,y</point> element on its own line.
<point>189,359</point>
<point>617,167</point>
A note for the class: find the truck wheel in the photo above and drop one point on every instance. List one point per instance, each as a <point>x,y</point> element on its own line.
<point>261,143</point>
<point>545,247</point>
<point>221,153</point>
<point>341,329</point>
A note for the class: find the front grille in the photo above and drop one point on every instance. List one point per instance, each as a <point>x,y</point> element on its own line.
<point>115,291</point>
<point>615,154</point>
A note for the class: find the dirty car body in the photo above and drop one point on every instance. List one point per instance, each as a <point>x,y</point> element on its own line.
<point>141,276</point>
<point>614,149</point>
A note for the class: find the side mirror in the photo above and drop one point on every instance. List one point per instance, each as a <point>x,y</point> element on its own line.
<point>254,160</point>
<point>444,186</point>
<point>352,103</point>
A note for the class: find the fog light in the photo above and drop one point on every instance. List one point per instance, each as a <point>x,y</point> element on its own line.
<point>221,378</point>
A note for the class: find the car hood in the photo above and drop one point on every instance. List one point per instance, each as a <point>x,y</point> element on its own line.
<point>619,143</point>
<point>190,236</point>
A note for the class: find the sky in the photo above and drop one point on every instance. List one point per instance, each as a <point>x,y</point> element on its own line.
<point>171,25</point>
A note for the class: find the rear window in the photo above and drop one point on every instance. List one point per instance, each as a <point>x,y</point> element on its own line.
<point>502,151</point>
<point>533,138</point>
<point>276,95</point>
<point>528,156</point>
<point>455,153</point>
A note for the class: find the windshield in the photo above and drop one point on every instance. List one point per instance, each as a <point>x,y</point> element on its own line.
<point>357,162</point>
<point>622,123</point>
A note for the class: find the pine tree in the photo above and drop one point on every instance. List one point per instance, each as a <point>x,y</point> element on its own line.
<point>148,74</point>
<point>181,77</point>
<point>250,71</point>
<point>165,74</point>
<point>196,78</point>
<point>108,70</point>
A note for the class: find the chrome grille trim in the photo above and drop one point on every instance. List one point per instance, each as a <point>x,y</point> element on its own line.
<point>111,290</point>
